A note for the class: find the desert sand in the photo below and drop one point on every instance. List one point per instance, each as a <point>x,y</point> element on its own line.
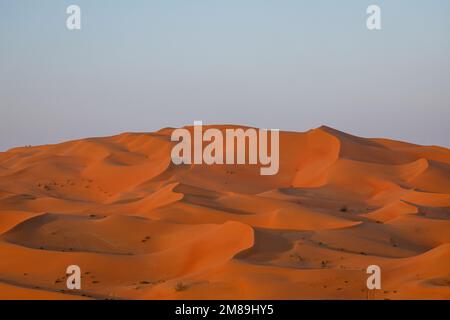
<point>141,227</point>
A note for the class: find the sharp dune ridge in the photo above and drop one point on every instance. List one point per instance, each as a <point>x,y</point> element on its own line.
<point>141,227</point>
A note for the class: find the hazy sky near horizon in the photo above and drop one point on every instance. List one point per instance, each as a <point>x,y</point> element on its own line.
<point>141,65</point>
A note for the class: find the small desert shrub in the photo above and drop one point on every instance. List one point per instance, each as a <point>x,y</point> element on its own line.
<point>180,286</point>
<point>325,263</point>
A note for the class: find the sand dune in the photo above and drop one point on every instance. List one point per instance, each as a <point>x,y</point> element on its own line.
<point>141,227</point>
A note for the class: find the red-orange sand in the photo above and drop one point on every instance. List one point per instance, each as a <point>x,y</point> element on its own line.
<point>142,228</point>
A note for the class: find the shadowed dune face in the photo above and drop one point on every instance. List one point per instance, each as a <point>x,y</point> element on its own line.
<point>141,227</point>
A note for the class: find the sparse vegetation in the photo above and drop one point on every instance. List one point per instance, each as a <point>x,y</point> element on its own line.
<point>180,286</point>
<point>394,244</point>
<point>325,263</point>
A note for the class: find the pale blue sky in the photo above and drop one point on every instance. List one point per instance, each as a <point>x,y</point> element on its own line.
<point>141,65</point>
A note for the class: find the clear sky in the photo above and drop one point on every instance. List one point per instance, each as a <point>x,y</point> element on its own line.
<point>289,64</point>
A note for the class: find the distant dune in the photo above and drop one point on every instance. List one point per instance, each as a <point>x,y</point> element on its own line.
<point>141,227</point>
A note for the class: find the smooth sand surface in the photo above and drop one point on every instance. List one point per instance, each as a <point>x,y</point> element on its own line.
<point>141,227</point>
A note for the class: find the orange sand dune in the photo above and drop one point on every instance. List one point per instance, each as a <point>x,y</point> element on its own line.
<point>141,227</point>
